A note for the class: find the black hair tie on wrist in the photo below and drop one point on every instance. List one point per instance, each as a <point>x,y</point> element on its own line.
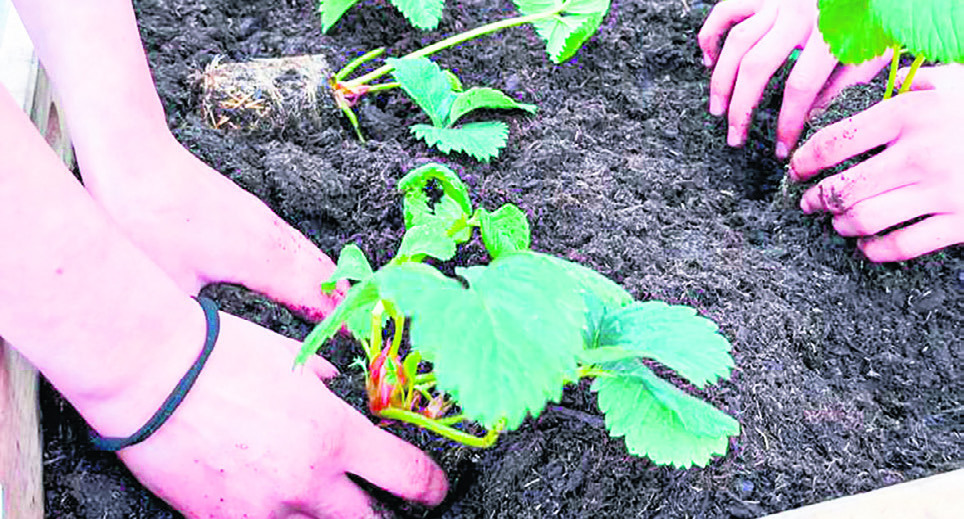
<point>177,395</point>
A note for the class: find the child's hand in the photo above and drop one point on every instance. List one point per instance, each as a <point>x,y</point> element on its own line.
<point>762,34</point>
<point>921,171</point>
<point>200,227</point>
<point>254,438</point>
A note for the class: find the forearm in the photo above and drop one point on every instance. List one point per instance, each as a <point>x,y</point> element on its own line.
<point>92,51</point>
<point>76,298</point>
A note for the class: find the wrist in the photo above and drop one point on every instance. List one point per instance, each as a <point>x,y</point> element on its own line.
<point>118,385</point>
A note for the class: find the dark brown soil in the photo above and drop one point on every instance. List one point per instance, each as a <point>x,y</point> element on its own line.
<point>848,372</point>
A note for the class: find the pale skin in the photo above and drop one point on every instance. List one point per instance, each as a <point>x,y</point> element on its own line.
<point>94,290</point>
<point>921,171</point>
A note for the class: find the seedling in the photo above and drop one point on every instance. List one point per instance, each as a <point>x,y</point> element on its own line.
<point>497,342</point>
<point>564,25</point>
<point>860,30</point>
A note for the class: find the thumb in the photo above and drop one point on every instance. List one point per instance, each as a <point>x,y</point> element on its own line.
<point>930,78</point>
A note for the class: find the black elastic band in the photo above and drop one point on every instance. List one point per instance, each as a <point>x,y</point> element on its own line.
<point>176,396</point>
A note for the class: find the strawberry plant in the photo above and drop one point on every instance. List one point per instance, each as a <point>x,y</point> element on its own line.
<point>859,30</point>
<point>496,342</point>
<point>564,26</point>
<point>440,95</point>
<point>423,14</point>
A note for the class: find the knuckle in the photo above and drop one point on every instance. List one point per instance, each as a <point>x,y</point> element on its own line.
<point>742,35</point>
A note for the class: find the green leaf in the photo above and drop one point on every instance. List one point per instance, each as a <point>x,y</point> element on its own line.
<point>453,80</point>
<point>852,31</point>
<point>502,347</point>
<point>482,140</point>
<point>359,297</point>
<point>605,354</point>
<point>565,33</point>
<point>417,180</point>
<point>930,28</point>
<point>430,239</point>
<point>672,335</point>
<point>484,97</point>
<point>331,11</point>
<point>425,83</point>
<point>660,421</point>
<point>609,293</point>
<point>352,264</point>
<point>423,14</point>
<point>505,231</point>
<point>416,209</point>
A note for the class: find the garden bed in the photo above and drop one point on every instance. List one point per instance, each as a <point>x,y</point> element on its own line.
<point>847,373</point>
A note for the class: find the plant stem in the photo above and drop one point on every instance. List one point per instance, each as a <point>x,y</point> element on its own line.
<point>397,335</point>
<point>383,86</point>
<point>892,77</point>
<point>424,379</point>
<point>905,86</point>
<point>355,63</point>
<point>457,39</point>
<point>441,429</point>
<point>375,341</point>
<point>592,371</point>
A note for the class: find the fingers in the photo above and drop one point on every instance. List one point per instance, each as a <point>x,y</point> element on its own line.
<point>723,16</point>
<point>805,81</point>
<point>848,76</point>
<point>876,175</point>
<point>739,41</point>
<point>884,211</point>
<point>392,464</point>
<point>286,266</point>
<point>878,125</point>
<point>757,67</point>
<point>915,240</point>
<point>342,499</point>
<point>318,365</point>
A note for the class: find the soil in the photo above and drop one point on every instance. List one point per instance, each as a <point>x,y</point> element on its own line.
<point>848,372</point>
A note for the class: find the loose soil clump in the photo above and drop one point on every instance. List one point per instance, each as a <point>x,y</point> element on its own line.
<point>847,372</point>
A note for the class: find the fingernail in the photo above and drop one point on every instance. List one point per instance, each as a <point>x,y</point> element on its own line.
<point>782,151</point>
<point>716,106</point>
<point>805,206</point>
<point>707,62</point>
<point>733,137</point>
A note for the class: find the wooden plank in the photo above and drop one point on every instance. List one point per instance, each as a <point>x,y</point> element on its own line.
<point>21,467</point>
<point>936,497</point>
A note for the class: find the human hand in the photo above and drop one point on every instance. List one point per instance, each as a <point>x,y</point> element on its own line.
<point>253,438</point>
<point>920,173</point>
<point>200,227</point>
<point>762,34</point>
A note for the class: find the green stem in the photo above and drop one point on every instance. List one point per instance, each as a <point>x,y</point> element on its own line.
<point>457,39</point>
<point>424,379</point>
<point>892,77</point>
<point>375,341</point>
<point>383,86</point>
<point>592,371</point>
<point>441,429</point>
<point>355,63</point>
<point>905,86</point>
<point>397,336</point>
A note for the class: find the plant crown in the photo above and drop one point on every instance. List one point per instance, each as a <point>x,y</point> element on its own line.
<point>503,339</point>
